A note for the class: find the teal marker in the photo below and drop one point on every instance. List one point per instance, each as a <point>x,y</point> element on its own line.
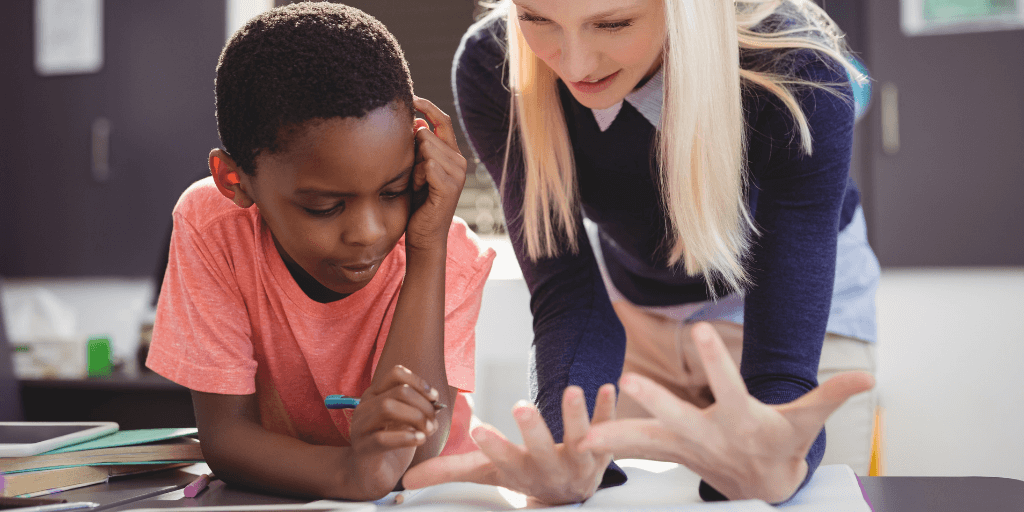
<point>341,402</point>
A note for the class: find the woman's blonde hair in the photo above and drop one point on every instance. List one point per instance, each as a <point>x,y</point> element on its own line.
<point>703,177</point>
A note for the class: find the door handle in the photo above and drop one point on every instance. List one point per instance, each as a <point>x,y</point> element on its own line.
<point>890,119</point>
<point>101,149</point>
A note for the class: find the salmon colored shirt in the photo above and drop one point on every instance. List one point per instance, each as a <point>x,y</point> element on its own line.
<point>232,320</point>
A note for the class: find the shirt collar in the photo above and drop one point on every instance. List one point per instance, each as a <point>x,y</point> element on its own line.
<point>647,100</point>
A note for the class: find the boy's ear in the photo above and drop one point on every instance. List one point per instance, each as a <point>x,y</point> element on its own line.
<point>228,178</point>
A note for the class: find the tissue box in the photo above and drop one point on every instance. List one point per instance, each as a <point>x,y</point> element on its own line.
<point>51,358</point>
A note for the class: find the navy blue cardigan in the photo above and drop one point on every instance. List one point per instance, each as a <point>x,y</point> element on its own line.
<point>799,204</point>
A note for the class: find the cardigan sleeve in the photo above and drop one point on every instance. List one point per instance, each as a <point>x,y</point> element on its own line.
<point>792,262</point>
<point>578,339</point>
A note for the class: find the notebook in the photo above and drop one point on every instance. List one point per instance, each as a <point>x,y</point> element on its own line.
<point>145,446</point>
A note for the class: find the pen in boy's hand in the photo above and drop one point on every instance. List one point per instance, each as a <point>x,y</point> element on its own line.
<point>347,402</point>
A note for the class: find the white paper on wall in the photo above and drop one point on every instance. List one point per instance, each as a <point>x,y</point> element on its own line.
<point>69,36</point>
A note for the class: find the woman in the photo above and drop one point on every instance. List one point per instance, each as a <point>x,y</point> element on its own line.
<point>674,174</point>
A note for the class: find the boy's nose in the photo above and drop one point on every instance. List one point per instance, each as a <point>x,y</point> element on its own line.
<point>367,228</point>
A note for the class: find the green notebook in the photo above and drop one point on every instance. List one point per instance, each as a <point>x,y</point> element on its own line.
<point>127,438</point>
<point>148,446</point>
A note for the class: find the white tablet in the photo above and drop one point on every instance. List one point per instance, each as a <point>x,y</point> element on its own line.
<point>24,438</point>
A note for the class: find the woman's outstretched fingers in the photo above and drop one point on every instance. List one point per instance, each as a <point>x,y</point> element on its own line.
<point>604,410</point>
<point>723,375</point>
<point>661,403</point>
<point>497,448</point>
<point>574,417</point>
<point>810,411</point>
<point>465,467</point>
<point>536,436</point>
<point>633,439</point>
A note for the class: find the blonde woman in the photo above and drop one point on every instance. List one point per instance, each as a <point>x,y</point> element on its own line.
<point>674,174</point>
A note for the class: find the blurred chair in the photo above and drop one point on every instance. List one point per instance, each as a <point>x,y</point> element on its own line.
<point>10,393</point>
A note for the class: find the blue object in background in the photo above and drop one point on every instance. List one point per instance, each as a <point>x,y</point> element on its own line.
<point>861,89</point>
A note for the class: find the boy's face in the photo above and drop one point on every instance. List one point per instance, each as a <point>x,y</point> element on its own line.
<point>337,199</point>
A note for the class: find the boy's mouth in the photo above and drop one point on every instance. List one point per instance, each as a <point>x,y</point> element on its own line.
<point>357,272</point>
<point>359,267</point>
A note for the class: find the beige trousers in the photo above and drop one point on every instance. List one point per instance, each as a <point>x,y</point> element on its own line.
<point>662,349</point>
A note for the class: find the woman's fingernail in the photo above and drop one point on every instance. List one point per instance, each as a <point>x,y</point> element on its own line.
<point>420,437</point>
<point>577,399</point>
<point>479,434</point>
<point>629,384</point>
<point>523,413</point>
<point>431,426</point>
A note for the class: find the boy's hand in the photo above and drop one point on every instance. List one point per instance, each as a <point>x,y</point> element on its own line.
<point>394,416</point>
<point>438,178</point>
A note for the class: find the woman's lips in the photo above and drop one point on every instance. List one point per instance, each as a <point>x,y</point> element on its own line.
<point>598,86</point>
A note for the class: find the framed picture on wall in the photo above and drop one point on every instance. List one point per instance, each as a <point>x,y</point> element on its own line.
<point>928,17</point>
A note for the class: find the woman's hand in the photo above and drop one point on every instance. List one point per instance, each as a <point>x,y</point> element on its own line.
<point>395,415</point>
<point>552,473</point>
<point>441,168</point>
<point>740,446</point>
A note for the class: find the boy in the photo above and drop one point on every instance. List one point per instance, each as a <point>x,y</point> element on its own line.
<point>266,310</point>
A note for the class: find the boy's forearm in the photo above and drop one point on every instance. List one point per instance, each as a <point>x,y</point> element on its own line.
<point>254,457</point>
<point>416,337</point>
<point>242,452</point>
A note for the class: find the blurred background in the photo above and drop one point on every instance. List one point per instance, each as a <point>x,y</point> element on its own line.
<point>106,116</point>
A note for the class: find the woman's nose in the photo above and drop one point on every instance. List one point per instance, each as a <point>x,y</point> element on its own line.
<point>578,59</point>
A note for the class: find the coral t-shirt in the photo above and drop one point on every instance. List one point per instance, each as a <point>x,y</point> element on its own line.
<point>231,319</point>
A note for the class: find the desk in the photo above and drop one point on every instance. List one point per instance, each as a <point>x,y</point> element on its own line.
<point>886,494</point>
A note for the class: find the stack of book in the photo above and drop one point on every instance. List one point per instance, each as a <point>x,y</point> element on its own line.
<point>126,452</point>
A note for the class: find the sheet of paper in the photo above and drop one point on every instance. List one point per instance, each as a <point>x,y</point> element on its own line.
<point>652,486</point>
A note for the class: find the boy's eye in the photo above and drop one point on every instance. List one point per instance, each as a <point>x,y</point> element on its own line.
<point>323,213</point>
<point>614,25</point>
<point>392,194</point>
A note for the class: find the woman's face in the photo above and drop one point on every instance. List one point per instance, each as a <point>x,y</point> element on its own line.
<point>601,49</point>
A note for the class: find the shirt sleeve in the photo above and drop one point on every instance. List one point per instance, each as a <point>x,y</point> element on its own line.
<point>792,262</point>
<point>201,335</point>
<point>578,339</point>
<point>468,265</point>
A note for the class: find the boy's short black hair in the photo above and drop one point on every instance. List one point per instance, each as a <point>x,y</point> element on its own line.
<point>303,62</point>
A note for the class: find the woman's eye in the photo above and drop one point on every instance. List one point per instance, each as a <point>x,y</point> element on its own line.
<point>531,18</point>
<point>615,25</point>
<point>393,194</point>
<point>323,213</point>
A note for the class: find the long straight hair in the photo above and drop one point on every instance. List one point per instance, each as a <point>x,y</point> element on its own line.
<point>702,174</point>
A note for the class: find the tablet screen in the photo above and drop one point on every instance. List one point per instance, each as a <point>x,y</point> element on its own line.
<point>31,434</point>
<point>21,439</point>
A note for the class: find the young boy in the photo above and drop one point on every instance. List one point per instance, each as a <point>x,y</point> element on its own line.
<point>289,278</point>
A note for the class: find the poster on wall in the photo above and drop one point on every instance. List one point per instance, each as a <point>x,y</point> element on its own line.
<point>927,17</point>
<point>68,36</point>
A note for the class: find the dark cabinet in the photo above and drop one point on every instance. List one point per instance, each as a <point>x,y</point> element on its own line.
<point>155,92</point>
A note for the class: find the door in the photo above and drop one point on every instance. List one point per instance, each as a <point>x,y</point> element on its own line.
<point>944,150</point>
